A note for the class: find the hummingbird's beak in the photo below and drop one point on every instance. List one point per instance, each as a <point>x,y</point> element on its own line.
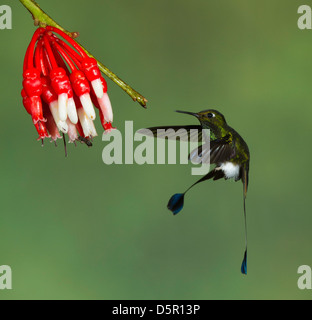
<point>190,113</point>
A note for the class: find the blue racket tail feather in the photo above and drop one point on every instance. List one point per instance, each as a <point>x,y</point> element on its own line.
<point>176,203</point>
<point>244,264</point>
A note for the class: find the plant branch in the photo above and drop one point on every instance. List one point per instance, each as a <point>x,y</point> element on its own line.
<point>42,19</point>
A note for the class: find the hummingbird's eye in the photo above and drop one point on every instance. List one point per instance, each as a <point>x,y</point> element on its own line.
<point>210,115</point>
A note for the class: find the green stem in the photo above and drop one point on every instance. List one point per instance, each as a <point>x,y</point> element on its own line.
<point>42,19</point>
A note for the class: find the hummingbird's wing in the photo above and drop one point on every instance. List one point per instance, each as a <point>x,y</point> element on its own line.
<point>184,133</point>
<point>219,150</point>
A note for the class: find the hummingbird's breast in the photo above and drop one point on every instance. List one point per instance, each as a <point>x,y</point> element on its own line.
<point>230,170</point>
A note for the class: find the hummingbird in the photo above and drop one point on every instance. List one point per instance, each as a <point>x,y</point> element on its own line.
<point>228,152</point>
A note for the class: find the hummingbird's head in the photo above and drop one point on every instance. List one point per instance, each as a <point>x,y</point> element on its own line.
<point>212,118</point>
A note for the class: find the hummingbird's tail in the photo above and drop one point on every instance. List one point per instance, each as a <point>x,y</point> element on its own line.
<point>245,185</point>
<point>176,202</point>
<point>244,264</point>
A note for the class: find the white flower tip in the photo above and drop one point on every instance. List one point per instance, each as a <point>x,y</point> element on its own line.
<point>55,136</point>
<point>93,132</point>
<point>72,132</point>
<point>72,112</point>
<point>98,88</point>
<point>106,108</point>
<point>87,105</point>
<point>62,126</point>
<point>62,106</point>
<point>86,123</point>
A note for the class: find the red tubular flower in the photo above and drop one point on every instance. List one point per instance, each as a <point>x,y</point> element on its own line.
<point>42,130</point>
<point>106,125</point>
<point>33,89</point>
<point>32,83</point>
<point>79,83</point>
<point>60,85</point>
<point>51,99</point>
<point>89,65</point>
<point>26,101</point>
<point>82,90</point>
<point>104,106</point>
<point>93,73</point>
<point>104,102</point>
<point>71,107</point>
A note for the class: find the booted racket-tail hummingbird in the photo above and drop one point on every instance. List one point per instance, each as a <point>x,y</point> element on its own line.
<point>228,152</point>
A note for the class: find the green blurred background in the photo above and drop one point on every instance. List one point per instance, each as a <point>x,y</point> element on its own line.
<point>76,228</point>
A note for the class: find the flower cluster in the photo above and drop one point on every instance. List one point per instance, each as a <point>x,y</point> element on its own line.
<point>60,87</point>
